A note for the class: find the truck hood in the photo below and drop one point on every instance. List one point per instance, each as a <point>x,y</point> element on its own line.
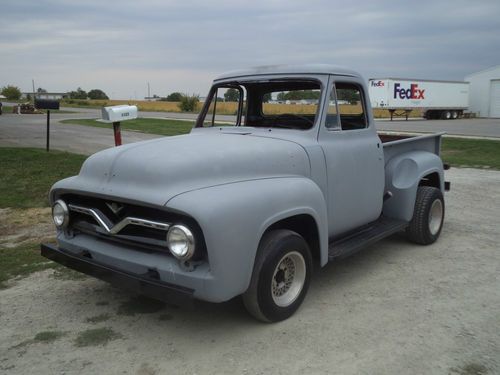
<point>155,171</point>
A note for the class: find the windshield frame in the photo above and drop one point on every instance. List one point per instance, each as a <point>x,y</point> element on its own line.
<point>236,82</point>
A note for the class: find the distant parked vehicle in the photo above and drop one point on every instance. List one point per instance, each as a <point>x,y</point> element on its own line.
<point>436,99</point>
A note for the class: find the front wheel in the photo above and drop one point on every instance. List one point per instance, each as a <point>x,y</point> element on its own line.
<point>280,278</point>
<point>428,216</point>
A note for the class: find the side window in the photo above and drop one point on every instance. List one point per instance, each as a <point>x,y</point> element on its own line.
<point>350,106</point>
<point>226,100</point>
<point>332,118</point>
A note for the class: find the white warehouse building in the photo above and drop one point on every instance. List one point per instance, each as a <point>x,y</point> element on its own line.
<point>484,92</point>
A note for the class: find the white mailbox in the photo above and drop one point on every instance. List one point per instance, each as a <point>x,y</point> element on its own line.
<point>119,113</point>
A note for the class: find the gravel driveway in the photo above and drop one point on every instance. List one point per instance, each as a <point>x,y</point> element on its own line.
<point>394,308</point>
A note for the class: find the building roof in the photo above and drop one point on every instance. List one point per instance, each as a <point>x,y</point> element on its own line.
<point>484,71</point>
<point>289,69</point>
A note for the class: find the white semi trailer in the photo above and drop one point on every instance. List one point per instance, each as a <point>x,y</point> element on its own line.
<point>436,99</point>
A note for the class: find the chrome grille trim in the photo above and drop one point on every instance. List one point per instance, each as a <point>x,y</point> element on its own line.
<point>113,229</point>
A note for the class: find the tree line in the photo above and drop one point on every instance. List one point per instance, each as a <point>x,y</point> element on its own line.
<point>12,92</point>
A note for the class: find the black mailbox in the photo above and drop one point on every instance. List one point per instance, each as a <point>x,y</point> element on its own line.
<point>46,104</point>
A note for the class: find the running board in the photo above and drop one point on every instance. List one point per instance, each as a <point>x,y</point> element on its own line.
<point>370,234</point>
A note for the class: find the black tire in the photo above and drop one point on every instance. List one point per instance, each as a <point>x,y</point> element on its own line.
<point>454,115</point>
<point>445,115</point>
<point>427,223</point>
<point>278,248</point>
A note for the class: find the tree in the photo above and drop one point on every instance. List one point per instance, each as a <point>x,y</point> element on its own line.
<point>299,95</point>
<point>11,92</point>
<point>267,98</point>
<point>349,95</point>
<point>232,95</point>
<point>189,103</point>
<point>97,94</point>
<point>174,97</point>
<point>78,94</point>
<point>40,90</point>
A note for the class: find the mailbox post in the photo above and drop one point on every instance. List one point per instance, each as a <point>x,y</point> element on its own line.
<point>118,134</point>
<point>47,104</point>
<point>117,113</point>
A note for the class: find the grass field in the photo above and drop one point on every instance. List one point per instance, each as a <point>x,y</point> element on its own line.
<point>27,174</point>
<point>223,108</point>
<point>477,153</point>
<point>143,125</point>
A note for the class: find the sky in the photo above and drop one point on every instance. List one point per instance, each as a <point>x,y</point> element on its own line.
<point>120,46</point>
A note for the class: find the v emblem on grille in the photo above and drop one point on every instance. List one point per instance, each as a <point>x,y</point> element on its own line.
<point>114,207</point>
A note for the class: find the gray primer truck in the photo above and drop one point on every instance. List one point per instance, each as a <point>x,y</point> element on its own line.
<point>247,208</point>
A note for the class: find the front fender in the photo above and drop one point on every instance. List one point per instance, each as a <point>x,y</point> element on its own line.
<point>233,218</point>
<point>403,174</point>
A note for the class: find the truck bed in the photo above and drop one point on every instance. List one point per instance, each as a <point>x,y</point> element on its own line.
<point>395,144</point>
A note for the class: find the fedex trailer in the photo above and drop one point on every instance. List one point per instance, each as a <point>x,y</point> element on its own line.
<point>436,99</point>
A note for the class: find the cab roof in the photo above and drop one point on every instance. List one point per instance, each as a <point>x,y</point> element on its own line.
<point>289,69</point>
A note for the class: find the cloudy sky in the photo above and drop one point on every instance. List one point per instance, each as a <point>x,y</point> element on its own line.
<point>119,46</point>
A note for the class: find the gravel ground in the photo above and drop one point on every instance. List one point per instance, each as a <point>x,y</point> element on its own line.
<point>394,308</point>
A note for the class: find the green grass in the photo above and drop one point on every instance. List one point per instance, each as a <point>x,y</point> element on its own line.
<point>48,336</point>
<point>21,261</point>
<point>27,174</point>
<point>44,337</point>
<point>143,125</point>
<point>477,153</point>
<point>94,337</point>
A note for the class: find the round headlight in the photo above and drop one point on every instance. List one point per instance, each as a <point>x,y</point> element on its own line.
<point>60,214</point>
<point>180,241</point>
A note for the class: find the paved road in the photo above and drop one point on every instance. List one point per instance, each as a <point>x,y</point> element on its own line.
<point>29,130</point>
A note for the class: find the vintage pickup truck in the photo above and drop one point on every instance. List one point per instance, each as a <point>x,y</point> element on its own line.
<point>246,206</point>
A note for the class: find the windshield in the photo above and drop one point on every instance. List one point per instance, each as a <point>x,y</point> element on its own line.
<point>291,104</point>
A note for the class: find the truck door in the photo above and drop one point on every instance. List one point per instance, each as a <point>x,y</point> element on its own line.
<point>354,158</point>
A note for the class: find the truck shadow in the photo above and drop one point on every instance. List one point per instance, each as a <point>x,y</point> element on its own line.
<point>157,318</point>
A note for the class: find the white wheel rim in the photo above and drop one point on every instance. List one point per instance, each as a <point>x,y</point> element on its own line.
<point>435,216</point>
<point>288,279</point>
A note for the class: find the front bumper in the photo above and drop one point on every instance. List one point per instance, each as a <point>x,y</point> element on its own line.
<point>147,284</point>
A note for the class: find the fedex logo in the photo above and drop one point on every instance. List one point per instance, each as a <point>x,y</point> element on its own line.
<point>377,84</point>
<point>412,93</point>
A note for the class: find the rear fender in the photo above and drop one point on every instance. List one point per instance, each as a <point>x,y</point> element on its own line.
<point>403,174</point>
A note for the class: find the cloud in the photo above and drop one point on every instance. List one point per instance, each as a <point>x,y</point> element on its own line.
<point>119,46</point>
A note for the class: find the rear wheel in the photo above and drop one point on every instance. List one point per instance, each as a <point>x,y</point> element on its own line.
<point>428,216</point>
<point>445,115</point>
<point>280,278</point>
<point>454,115</point>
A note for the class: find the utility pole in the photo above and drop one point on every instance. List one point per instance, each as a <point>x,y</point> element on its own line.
<point>33,83</point>
<point>149,92</point>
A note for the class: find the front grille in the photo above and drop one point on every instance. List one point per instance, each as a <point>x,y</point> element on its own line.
<point>143,227</point>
